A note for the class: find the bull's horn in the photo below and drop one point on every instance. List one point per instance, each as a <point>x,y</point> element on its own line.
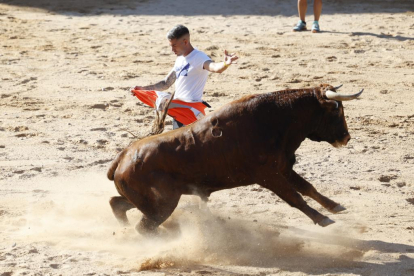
<point>340,97</point>
<point>339,86</point>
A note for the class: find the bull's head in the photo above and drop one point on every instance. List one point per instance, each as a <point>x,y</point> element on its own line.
<point>332,127</point>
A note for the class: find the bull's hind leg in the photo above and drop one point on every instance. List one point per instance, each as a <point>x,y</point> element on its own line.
<point>120,205</point>
<point>306,189</point>
<point>286,192</point>
<point>156,212</point>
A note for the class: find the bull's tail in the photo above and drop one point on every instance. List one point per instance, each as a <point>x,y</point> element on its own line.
<point>111,171</point>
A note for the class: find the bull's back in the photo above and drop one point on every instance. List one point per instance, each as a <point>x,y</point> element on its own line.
<point>211,149</point>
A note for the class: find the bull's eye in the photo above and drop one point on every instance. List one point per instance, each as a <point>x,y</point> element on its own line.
<point>335,112</point>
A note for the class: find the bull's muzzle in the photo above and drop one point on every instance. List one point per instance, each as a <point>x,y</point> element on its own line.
<point>346,139</point>
<point>343,142</point>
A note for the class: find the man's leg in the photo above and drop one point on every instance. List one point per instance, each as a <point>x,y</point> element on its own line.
<point>177,124</point>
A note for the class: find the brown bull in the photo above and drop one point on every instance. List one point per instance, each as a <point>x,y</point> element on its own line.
<point>250,140</point>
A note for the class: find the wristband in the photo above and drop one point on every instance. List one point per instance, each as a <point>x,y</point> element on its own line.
<point>226,65</point>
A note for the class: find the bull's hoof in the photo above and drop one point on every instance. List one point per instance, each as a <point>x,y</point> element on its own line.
<point>325,222</point>
<point>147,232</point>
<point>337,209</point>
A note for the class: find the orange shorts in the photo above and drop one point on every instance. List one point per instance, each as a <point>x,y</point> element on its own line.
<point>183,112</point>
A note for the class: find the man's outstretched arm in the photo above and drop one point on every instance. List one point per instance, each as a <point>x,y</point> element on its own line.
<point>219,67</point>
<point>159,86</point>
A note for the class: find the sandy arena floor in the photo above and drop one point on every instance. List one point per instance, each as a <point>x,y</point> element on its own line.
<point>65,71</point>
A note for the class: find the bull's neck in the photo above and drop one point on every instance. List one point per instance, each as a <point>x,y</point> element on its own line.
<point>294,115</point>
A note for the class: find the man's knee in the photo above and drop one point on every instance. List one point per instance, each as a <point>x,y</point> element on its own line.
<point>177,124</point>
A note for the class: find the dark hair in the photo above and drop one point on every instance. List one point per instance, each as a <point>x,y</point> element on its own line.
<point>177,32</point>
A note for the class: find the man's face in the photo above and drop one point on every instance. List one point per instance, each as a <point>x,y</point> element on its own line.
<point>178,46</point>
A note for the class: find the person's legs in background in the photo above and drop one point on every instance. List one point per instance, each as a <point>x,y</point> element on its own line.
<point>302,8</point>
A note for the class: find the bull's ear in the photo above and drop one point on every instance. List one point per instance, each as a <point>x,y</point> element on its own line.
<point>325,86</point>
<point>330,104</point>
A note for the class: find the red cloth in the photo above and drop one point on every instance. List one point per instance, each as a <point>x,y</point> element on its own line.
<point>183,115</point>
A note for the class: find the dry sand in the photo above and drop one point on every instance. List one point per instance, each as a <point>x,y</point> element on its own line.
<point>65,70</point>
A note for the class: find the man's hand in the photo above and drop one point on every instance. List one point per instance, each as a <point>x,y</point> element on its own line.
<point>230,58</point>
<point>135,88</point>
<point>219,67</point>
<point>159,86</point>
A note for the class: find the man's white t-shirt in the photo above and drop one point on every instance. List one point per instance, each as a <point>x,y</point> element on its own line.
<point>191,77</point>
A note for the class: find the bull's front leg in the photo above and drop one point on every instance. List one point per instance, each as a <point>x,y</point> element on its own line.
<point>306,189</point>
<point>281,187</point>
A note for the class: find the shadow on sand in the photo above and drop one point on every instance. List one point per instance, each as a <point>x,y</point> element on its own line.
<point>213,7</point>
<point>381,35</point>
<point>347,257</point>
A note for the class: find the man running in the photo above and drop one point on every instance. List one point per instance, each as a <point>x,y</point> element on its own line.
<point>189,74</point>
